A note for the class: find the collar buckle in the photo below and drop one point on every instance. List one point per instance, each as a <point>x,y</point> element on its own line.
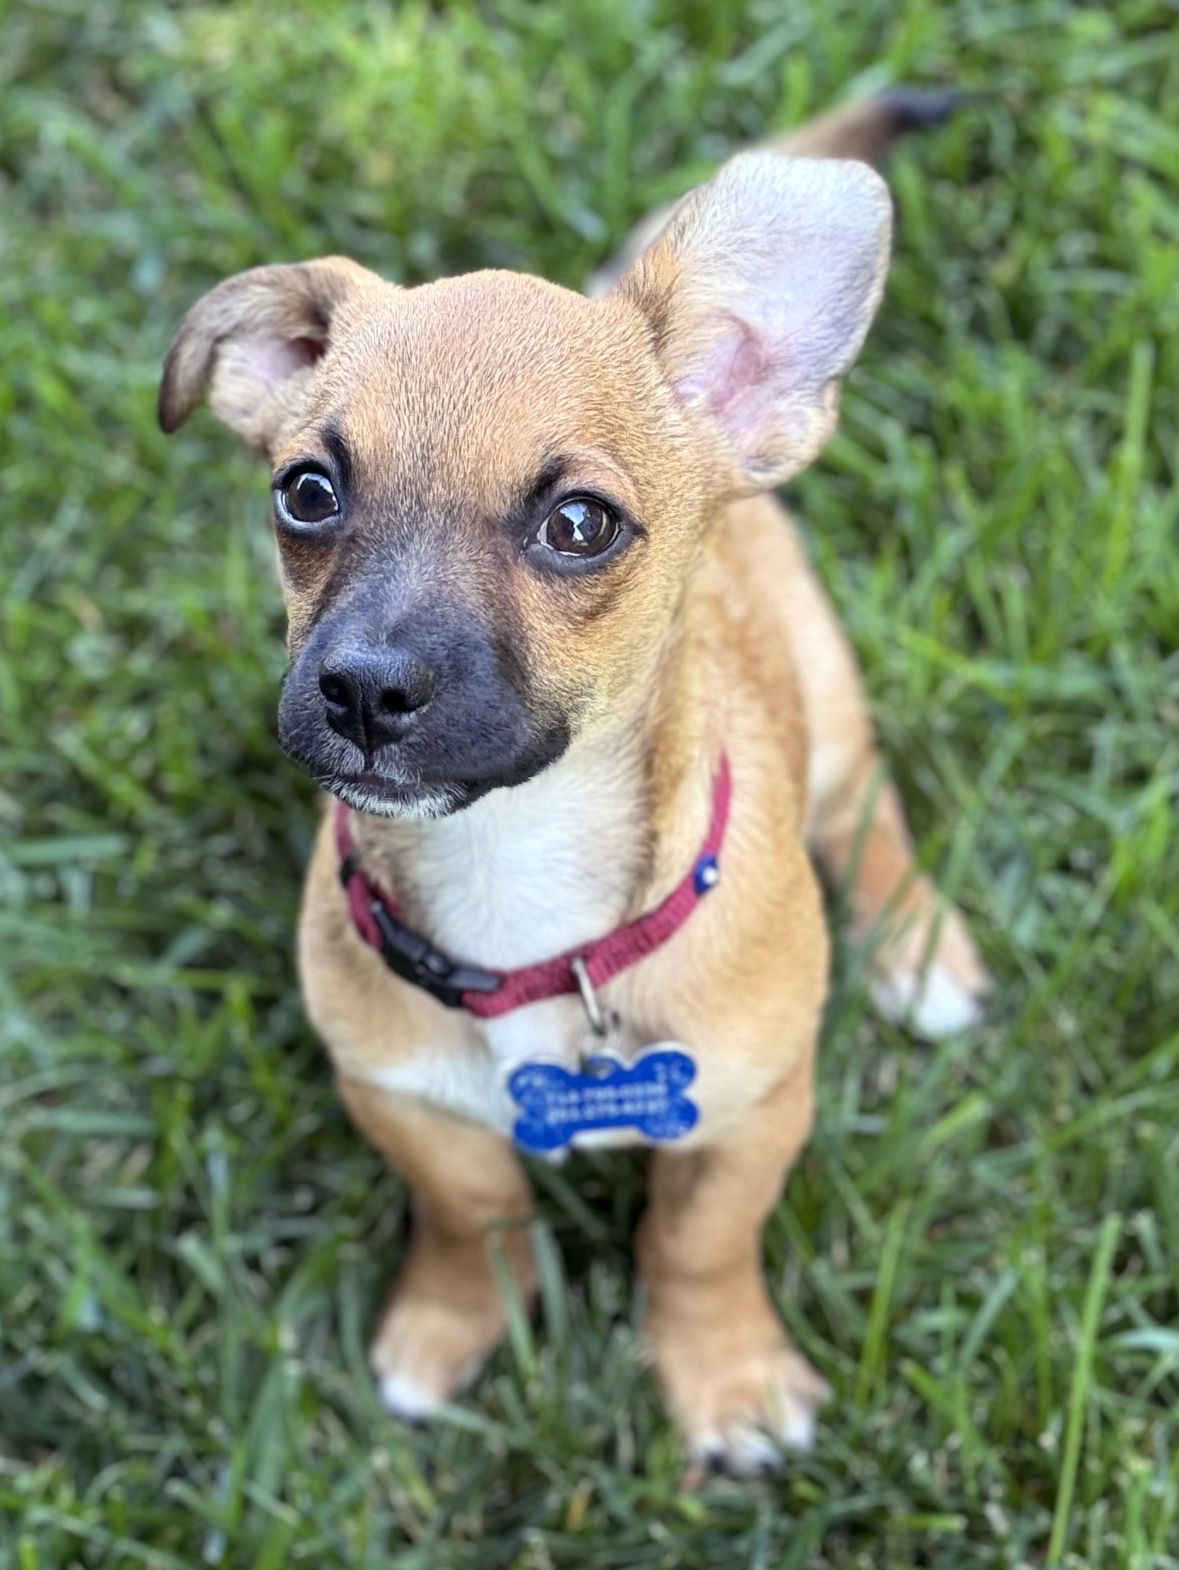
<point>413,959</point>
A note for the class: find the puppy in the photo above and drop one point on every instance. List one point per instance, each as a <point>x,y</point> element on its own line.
<point>583,709</point>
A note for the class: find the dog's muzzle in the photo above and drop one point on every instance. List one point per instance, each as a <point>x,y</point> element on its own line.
<point>413,721</point>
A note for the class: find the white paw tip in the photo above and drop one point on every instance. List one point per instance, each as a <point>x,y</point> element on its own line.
<point>933,1004</point>
<point>405,1399</point>
<point>740,1452</point>
<point>750,1451</point>
<point>795,1425</point>
<point>747,1449</point>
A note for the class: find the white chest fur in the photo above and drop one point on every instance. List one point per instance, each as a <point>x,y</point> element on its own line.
<point>527,872</point>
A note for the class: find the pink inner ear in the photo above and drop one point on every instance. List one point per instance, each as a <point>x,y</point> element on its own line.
<point>274,359</point>
<point>734,379</point>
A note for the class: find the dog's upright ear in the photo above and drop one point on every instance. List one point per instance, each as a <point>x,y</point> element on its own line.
<point>758,295</point>
<point>253,341</point>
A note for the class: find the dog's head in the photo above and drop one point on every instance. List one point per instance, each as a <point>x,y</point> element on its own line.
<point>489,491</point>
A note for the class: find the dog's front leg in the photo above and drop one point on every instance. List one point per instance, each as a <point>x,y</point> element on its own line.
<point>470,1199</point>
<point>734,1383</point>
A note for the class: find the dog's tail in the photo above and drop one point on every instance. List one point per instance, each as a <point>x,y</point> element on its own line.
<point>865,129</point>
<point>868,128</point>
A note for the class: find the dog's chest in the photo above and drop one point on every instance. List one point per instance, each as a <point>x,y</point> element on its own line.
<point>522,876</point>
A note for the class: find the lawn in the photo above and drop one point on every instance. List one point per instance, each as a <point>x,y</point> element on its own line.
<point>981,1248</point>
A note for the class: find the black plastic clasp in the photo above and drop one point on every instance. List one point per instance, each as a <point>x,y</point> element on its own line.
<point>409,956</point>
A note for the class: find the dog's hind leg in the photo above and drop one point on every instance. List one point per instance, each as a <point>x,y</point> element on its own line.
<point>923,966</point>
<point>924,970</point>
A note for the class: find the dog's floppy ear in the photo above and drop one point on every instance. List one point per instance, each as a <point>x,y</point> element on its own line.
<point>252,341</point>
<point>759,294</point>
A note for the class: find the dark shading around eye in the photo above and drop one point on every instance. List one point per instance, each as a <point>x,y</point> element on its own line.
<point>336,445</point>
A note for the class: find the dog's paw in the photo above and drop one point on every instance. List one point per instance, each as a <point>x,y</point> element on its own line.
<point>425,1353</point>
<point>404,1398</point>
<point>929,977</point>
<point>740,1415</point>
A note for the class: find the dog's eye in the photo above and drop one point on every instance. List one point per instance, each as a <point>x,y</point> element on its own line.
<point>306,496</point>
<point>580,526</point>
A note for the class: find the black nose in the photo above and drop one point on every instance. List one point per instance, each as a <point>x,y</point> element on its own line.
<point>374,698</point>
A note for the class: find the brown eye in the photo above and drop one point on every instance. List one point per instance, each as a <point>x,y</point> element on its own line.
<point>580,526</point>
<point>306,496</point>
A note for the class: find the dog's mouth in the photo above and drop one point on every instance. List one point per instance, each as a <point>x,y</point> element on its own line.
<point>399,788</point>
<point>383,797</point>
<point>417,779</point>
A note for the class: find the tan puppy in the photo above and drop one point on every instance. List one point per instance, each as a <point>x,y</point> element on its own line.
<point>542,614</point>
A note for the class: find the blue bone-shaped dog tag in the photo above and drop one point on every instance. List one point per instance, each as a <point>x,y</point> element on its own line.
<point>647,1095</point>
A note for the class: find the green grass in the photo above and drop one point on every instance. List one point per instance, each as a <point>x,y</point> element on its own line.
<point>981,1248</point>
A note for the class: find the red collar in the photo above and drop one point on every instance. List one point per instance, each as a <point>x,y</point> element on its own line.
<point>488,993</point>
